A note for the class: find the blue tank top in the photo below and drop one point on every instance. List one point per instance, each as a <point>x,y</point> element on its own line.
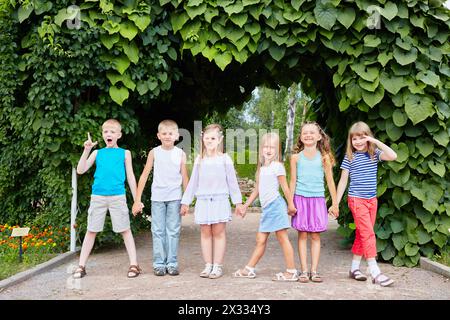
<point>310,176</point>
<point>109,177</point>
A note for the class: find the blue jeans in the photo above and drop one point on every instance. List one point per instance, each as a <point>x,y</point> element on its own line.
<point>166,226</point>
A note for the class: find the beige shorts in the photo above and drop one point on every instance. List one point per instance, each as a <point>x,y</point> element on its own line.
<point>118,210</point>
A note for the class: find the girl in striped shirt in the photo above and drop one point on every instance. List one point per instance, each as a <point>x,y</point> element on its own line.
<point>360,164</point>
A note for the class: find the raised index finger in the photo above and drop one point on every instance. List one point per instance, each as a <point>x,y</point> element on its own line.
<point>89,136</point>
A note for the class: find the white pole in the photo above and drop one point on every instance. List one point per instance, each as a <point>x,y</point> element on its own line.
<point>73,210</point>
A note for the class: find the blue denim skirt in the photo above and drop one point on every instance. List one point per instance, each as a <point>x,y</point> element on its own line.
<point>274,216</point>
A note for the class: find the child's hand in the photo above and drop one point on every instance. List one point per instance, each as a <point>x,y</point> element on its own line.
<point>184,209</point>
<point>369,139</point>
<point>137,208</point>
<point>240,210</point>
<point>334,211</point>
<point>292,210</point>
<point>88,144</point>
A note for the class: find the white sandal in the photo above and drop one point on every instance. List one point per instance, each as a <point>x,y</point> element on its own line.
<point>281,277</point>
<point>250,273</point>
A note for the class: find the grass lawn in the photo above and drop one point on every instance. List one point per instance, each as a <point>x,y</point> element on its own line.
<point>9,268</point>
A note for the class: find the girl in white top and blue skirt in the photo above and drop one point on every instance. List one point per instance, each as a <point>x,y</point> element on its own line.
<point>213,181</point>
<point>275,213</point>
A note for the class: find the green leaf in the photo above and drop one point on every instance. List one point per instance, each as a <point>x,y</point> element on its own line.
<point>239,19</point>
<point>423,236</point>
<point>128,30</point>
<point>398,261</point>
<point>277,52</point>
<point>365,72</point>
<point>418,108</point>
<point>210,13</point>
<point>405,57</point>
<point>253,28</point>
<point>399,118</point>
<point>437,168</point>
<point>64,15</point>
<point>429,77</point>
<point>354,91</point>
<point>388,253</point>
<point>389,11</point>
<point>373,98</point>
<point>234,8</point>
<point>209,52</point>
<point>400,199</point>
<point>397,226</point>
<point>383,233</point>
<point>178,20</point>
<point>425,146</point>
<point>346,17</point>
<point>296,4</point>
<point>132,52</point>
<point>325,15</point>
<point>141,21</point>
<point>109,40</point>
<point>371,41</point>
<point>439,239</point>
<point>384,57</point>
<point>401,178</point>
<point>223,59</point>
<point>24,12</point>
<point>392,84</point>
<point>385,211</point>
<point>196,11</point>
<point>121,63</point>
<point>393,132</point>
<point>119,95</point>
<point>399,240</point>
<point>442,137</point>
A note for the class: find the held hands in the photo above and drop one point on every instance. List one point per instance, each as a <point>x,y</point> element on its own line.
<point>88,144</point>
<point>334,211</point>
<point>240,210</point>
<point>137,208</point>
<point>292,210</point>
<point>184,209</point>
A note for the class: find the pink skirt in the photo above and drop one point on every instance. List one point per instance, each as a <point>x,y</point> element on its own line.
<point>312,214</point>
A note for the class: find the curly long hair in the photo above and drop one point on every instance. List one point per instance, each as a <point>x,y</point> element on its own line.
<point>323,144</point>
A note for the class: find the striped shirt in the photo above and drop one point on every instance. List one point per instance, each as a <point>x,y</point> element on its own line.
<point>363,174</point>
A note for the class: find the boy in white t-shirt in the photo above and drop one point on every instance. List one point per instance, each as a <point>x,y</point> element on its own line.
<point>168,175</point>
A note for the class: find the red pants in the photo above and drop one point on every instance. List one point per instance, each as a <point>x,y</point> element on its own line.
<point>364,213</point>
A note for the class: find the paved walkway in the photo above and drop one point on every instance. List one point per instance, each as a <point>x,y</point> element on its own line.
<point>106,277</point>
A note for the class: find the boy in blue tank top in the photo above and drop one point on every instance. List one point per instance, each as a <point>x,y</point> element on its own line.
<point>113,164</point>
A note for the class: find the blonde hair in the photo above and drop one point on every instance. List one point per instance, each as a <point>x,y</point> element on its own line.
<point>212,126</point>
<point>323,144</point>
<point>359,129</point>
<point>269,136</point>
<point>167,124</point>
<point>113,123</point>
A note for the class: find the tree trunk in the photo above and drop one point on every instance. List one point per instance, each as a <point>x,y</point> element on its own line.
<point>290,122</point>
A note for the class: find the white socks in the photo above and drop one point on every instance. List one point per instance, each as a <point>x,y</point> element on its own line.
<point>373,267</point>
<point>355,265</point>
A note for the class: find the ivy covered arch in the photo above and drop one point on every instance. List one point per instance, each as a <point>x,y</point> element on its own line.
<point>65,69</point>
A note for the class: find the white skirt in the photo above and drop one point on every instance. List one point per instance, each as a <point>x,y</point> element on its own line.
<point>212,209</point>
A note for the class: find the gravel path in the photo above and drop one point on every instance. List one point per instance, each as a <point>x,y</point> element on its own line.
<point>106,277</point>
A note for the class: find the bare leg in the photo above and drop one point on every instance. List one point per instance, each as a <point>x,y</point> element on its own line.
<point>258,252</point>
<point>130,245</point>
<point>315,250</point>
<point>303,250</point>
<point>288,251</point>
<point>88,244</point>
<point>206,242</point>
<point>219,242</point>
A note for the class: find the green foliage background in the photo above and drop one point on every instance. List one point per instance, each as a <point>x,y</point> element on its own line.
<point>141,61</point>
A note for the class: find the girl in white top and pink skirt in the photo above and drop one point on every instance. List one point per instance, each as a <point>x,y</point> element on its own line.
<point>213,181</point>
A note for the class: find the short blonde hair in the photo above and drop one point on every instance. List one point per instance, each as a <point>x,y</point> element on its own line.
<point>167,124</point>
<point>113,123</point>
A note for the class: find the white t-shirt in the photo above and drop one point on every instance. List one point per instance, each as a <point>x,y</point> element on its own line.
<point>268,182</point>
<point>167,179</point>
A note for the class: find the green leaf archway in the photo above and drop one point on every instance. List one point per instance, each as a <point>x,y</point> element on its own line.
<point>65,69</point>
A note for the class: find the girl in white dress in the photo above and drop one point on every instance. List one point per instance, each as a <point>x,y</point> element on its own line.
<point>213,181</point>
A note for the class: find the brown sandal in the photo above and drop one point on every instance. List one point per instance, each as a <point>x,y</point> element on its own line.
<point>134,270</point>
<point>314,277</point>
<point>357,275</point>
<point>79,272</point>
